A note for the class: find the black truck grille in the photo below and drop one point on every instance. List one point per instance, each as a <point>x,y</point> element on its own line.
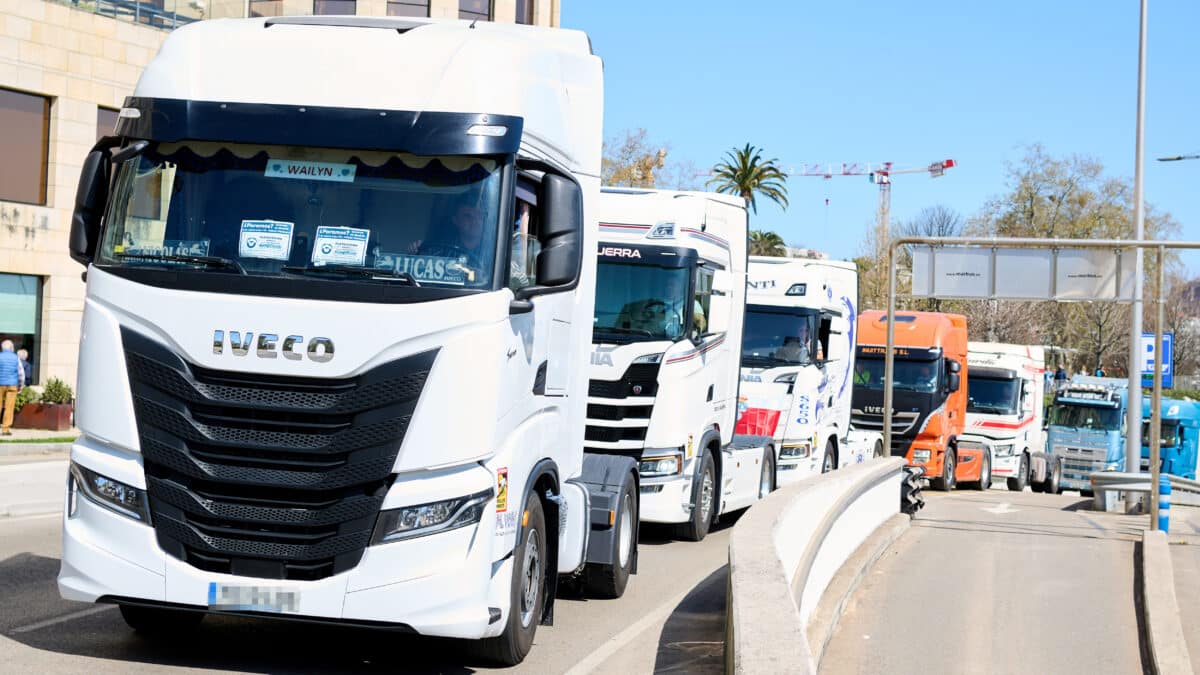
<point>640,379</point>
<point>262,475</point>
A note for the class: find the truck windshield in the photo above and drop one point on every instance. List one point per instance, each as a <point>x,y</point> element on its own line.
<point>777,336</point>
<point>1085,416</point>
<point>919,376</point>
<point>993,396</point>
<point>640,302</point>
<point>1169,434</point>
<point>361,216</point>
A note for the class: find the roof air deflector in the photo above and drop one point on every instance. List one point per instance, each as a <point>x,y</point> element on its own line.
<point>398,25</point>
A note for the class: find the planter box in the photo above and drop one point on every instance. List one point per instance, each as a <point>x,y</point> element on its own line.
<point>52,416</point>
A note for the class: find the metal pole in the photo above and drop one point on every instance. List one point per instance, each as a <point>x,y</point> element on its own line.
<point>887,356</point>
<point>1133,445</point>
<point>1156,401</point>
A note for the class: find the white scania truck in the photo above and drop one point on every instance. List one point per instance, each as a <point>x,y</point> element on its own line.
<point>671,290</point>
<point>336,332</point>
<point>798,365</point>
<point>1006,411</point>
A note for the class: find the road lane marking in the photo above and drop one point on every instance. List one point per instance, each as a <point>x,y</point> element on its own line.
<point>62,619</point>
<point>1000,509</point>
<point>617,642</point>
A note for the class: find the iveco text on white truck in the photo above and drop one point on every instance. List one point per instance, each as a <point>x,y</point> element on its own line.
<point>1005,410</point>
<point>671,289</point>
<point>798,364</point>
<point>336,332</point>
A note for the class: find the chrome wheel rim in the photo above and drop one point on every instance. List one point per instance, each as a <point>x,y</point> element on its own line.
<point>626,546</point>
<point>531,577</point>
<point>706,496</point>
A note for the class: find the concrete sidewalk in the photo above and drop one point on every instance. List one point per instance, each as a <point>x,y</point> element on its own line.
<point>32,484</point>
<point>1184,541</point>
<point>36,442</point>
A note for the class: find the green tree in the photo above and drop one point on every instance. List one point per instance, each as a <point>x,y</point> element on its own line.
<point>764,242</point>
<point>632,161</point>
<point>746,174</point>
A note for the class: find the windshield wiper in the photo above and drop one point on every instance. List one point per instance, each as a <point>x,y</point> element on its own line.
<point>624,331</point>
<point>206,260</point>
<point>351,270</point>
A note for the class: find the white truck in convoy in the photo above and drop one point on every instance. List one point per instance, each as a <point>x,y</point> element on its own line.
<point>340,282</point>
<point>671,290</point>
<point>1005,412</point>
<point>798,365</point>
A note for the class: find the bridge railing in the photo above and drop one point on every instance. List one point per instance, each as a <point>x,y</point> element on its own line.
<point>785,551</point>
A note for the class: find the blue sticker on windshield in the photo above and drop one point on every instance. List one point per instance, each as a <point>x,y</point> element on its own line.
<point>269,239</point>
<point>340,246</point>
<point>168,247</point>
<point>425,267</point>
<point>290,168</point>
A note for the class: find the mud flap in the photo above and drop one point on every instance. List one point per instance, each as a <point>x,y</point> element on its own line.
<point>603,476</point>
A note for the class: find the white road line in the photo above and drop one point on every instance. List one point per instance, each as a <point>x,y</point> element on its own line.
<point>617,642</point>
<point>62,619</point>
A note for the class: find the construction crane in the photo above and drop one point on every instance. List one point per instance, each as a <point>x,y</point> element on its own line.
<point>879,173</point>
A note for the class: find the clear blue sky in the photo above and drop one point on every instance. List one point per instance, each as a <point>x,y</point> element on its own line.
<point>905,82</point>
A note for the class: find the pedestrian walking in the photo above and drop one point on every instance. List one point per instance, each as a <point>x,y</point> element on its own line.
<point>12,378</point>
<point>23,355</point>
<point>1060,377</point>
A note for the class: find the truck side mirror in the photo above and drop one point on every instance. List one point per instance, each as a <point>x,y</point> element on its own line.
<point>954,381</point>
<point>90,199</point>
<point>561,238</point>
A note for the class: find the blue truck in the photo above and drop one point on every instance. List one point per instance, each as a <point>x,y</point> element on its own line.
<point>1180,433</point>
<point>1086,428</point>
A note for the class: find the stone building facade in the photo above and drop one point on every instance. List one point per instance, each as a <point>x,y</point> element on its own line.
<point>66,66</point>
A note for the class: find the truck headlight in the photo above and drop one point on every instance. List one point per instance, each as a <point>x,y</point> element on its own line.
<point>786,378</point>
<point>1003,450</point>
<point>657,467</point>
<point>408,522</point>
<point>921,456</point>
<point>111,494</point>
<point>795,451</point>
<point>649,358</point>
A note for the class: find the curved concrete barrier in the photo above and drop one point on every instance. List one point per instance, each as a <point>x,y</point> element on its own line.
<point>786,550</point>
<point>1163,624</point>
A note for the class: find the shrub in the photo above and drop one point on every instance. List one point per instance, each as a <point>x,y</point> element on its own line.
<point>57,391</point>
<point>26,395</point>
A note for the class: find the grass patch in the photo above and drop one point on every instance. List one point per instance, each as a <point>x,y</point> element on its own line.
<point>53,439</point>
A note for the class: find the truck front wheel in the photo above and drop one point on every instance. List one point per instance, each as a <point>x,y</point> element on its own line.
<point>947,481</point>
<point>829,463</point>
<point>608,580</point>
<point>1017,482</point>
<point>528,590</point>
<point>704,500</point>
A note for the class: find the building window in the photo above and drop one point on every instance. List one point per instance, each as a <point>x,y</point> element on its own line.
<point>24,145</point>
<point>266,8</point>
<point>525,12</point>
<point>21,313</point>
<point>475,10</point>
<point>418,8</point>
<point>106,122</point>
<point>328,7</point>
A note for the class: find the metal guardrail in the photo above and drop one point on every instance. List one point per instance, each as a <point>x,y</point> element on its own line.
<point>1184,492</point>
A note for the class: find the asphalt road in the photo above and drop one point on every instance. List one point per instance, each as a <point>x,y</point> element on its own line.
<point>998,582</point>
<point>670,620</point>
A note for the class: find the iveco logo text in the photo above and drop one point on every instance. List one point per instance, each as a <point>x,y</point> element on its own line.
<point>615,252</point>
<point>268,346</point>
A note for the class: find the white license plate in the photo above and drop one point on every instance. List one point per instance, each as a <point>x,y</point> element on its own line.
<point>252,598</point>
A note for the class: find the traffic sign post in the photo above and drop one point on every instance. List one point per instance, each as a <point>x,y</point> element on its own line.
<point>1168,360</point>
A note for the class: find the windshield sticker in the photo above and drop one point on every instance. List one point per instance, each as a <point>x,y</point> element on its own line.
<point>424,267</point>
<point>291,168</point>
<point>269,239</point>
<point>340,246</point>
<point>169,247</point>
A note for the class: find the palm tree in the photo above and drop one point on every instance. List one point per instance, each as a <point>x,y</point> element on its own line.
<point>764,242</point>
<point>745,173</point>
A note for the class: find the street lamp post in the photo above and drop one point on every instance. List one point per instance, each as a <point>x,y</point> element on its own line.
<point>1133,426</point>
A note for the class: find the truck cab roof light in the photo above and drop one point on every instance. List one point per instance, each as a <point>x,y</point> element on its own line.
<point>493,130</point>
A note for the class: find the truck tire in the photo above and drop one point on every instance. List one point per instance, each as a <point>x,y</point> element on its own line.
<point>159,621</point>
<point>985,473</point>
<point>878,449</point>
<point>705,494</point>
<point>608,581</point>
<point>1017,483</point>
<point>829,463</point>
<point>948,479</point>
<point>527,596</point>
<point>766,479</point>
<point>1053,482</point>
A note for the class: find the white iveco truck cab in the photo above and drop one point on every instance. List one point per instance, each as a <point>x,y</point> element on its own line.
<point>1005,410</point>
<point>798,365</point>
<point>336,331</point>
<point>670,295</point>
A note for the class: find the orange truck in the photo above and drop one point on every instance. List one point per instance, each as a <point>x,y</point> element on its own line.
<point>929,395</point>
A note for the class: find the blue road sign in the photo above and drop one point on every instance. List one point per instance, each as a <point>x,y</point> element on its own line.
<point>1168,361</point>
